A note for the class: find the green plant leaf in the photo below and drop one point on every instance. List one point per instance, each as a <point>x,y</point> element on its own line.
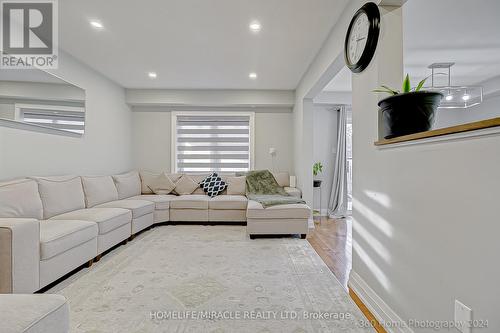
<point>421,84</point>
<point>393,91</point>
<point>317,168</point>
<point>406,84</point>
<point>383,91</point>
<point>386,89</point>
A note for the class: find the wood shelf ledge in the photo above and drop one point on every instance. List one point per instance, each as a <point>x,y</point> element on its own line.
<point>494,122</point>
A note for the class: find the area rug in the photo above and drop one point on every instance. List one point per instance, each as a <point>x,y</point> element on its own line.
<point>190,278</point>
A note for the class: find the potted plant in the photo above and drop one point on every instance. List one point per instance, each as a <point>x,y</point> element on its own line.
<point>408,111</point>
<point>317,168</point>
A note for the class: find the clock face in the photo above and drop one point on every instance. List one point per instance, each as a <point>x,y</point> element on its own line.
<point>362,37</point>
<point>358,38</point>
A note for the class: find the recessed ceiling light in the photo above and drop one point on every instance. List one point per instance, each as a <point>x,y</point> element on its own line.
<point>449,97</point>
<point>255,26</point>
<point>96,24</point>
<point>253,76</point>
<point>466,97</point>
<point>152,75</point>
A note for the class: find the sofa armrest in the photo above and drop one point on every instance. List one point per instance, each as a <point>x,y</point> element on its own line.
<point>293,191</point>
<point>19,255</point>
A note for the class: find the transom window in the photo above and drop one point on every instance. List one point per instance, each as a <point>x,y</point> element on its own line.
<point>204,142</point>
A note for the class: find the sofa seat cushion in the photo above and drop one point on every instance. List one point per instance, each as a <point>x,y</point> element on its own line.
<point>107,219</point>
<point>293,191</point>
<point>291,211</point>
<point>58,236</point>
<point>138,207</point>
<point>161,201</point>
<point>34,313</point>
<point>190,201</point>
<point>226,202</point>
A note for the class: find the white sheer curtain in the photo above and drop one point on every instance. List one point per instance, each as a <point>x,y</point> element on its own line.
<point>337,206</point>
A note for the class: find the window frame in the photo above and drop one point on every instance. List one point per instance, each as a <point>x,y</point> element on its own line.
<point>19,122</point>
<point>175,114</point>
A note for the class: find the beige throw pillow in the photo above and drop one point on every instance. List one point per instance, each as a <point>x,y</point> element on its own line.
<point>236,185</point>
<point>282,178</point>
<point>161,185</point>
<point>147,180</point>
<point>198,179</point>
<point>185,185</point>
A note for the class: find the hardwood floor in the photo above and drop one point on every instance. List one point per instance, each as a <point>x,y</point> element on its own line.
<point>332,240</point>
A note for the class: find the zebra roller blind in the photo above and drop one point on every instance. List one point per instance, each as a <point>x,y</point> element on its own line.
<point>70,119</point>
<point>213,143</point>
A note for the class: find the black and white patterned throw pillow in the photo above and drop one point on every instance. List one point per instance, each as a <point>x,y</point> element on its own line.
<point>213,185</point>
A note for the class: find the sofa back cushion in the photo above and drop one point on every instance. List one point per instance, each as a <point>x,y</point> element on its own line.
<point>99,190</point>
<point>128,184</point>
<point>282,178</point>
<point>236,185</point>
<point>20,199</point>
<point>60,194</point>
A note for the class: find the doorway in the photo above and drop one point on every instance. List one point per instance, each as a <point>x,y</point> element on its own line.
<point>332,235</point>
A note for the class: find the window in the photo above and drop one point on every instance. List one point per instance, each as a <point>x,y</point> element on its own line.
<point>65,118</point>
<point>204,142</point>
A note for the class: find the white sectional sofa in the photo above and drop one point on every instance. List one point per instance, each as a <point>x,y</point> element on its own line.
<point>50,226</point>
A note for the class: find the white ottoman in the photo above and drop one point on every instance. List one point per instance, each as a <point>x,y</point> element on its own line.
<point>277,220</point>
<point>38,313</point>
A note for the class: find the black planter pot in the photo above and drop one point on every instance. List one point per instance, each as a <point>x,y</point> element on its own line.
<point>409,113</point>
<point>316,183</point>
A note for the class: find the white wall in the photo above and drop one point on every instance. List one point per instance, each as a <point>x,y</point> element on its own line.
<point>325,149</point>
<point>490,108</point>
<point>61,91</point>
<point>211,98</point>
<point>152,140</point>
<point>328,62</point>
<point>274,130</point>
<point>104,149</point>
<point>425,217</point>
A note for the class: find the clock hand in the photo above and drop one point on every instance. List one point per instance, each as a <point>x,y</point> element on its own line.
<point>360,39</point>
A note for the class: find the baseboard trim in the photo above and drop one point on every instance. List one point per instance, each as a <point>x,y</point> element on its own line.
<point>387,318</point>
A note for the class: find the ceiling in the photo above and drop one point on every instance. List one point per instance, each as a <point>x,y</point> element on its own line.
<point>198,44</point>
<point>460,31</point>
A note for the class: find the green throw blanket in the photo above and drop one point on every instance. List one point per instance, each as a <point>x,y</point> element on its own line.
<point>263,188</point>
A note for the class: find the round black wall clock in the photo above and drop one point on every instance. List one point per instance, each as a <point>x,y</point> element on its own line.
<point>362,37</point>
